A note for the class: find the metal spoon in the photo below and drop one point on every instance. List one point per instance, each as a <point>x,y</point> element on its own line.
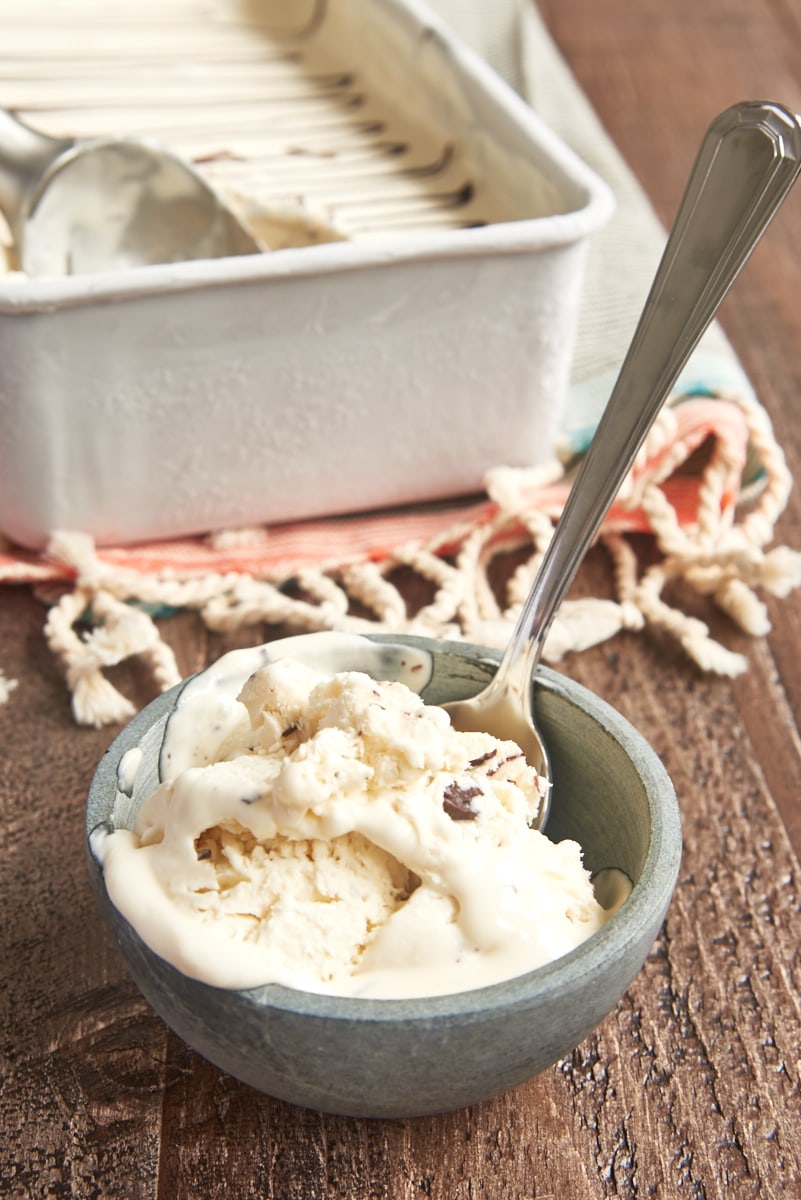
<point>103,204</point>
<point>747,163</point>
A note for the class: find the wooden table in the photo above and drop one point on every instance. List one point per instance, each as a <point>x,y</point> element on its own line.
<point>691,1087</point>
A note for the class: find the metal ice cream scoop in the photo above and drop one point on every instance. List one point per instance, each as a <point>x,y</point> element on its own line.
<point>102,204</point>
<point>747,163</point>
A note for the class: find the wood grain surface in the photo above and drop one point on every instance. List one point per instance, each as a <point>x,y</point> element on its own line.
<point>690,1089</point>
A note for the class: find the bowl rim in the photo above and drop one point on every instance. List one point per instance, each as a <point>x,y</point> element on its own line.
<point>645,907</point>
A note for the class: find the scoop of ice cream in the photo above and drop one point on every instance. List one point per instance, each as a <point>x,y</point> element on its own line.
<point>347,839</point>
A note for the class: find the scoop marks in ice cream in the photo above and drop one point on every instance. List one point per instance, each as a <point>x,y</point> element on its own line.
<point>337,835</point>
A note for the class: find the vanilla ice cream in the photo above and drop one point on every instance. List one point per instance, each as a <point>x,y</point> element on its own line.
<point>333,833</point>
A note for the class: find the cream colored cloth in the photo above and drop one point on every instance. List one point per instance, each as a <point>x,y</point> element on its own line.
<point>623,256</point>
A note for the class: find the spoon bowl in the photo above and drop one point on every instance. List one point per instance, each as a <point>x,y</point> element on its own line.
<point>748,160</point>
<point>94,205</point>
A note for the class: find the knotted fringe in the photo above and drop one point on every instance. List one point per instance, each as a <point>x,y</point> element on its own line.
<point>6,687</point>
<point>703,537</point>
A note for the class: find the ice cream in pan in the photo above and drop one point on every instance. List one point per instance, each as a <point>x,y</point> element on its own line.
<point>335,834</point>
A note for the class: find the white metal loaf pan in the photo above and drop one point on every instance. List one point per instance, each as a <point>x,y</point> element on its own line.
<point>394,365</point>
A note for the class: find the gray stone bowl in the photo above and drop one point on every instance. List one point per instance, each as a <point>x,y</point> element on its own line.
<point>399,1058</point>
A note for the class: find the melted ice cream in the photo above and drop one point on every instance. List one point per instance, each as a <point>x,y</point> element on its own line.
<point>335,834</point>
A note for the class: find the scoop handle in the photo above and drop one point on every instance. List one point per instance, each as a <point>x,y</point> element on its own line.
<point>748,160</point>
<point>25,156</point>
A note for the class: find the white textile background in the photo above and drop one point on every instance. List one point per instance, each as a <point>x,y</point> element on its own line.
<point>512,37</point>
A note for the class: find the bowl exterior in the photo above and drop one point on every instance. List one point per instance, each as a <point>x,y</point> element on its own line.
<point>299,428</point>
<point>412,1057</point>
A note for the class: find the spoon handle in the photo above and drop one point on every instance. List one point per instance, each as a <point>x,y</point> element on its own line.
<point>25,155</point>
<point>747,163</point>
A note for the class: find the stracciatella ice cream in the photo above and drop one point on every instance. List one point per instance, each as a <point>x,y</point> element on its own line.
<point>335,834</point>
